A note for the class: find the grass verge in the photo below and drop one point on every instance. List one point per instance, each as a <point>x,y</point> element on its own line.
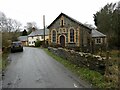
<point>0,61</point>
<point>4,61</point>
<point>93,77</point>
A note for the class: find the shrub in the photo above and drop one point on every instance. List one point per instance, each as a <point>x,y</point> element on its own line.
<point>55,45</point>
<point>38,43</point>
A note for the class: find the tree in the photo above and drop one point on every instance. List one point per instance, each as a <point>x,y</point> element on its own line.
<point>30,26</point>
<point>9,28</point>
<point>24,33</point>
<point>117,24</point>
<point>16,25</point>
<point>13,28</point>
<point>3,22</point>
<point>107,21</point>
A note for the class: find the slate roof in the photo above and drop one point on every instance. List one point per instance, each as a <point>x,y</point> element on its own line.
<point>22,38</point>
<point>74,20</point>
<point>96,33</point>
<point>39,32</point>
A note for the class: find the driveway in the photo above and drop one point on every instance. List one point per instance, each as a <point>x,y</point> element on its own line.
<point>33,68</point>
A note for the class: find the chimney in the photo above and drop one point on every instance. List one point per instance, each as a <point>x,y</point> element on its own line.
<point>33,29</point>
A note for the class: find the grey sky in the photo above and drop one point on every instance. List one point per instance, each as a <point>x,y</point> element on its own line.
<point>33,10</point>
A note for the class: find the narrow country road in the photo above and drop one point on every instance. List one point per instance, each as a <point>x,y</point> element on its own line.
<point>33,68</point>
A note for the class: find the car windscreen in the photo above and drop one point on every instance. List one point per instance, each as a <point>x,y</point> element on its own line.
<point>16,44</point>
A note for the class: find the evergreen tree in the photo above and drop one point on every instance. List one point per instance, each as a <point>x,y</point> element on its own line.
<point>24,33</point>
<point>107,21</point>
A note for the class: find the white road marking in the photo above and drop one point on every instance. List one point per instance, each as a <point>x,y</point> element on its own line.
<point>75,85</point>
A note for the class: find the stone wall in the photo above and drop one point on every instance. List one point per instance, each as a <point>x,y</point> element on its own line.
<point>80,59</point>
<point>107,66</point>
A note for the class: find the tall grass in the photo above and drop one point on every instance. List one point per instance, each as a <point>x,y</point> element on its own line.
<point>4,61</point>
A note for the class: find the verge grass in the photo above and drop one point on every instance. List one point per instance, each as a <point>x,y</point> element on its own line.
<point>93,77</point>
<point>0,61</point>
<point>4,61</point>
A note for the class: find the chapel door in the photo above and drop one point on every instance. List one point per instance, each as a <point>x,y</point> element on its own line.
<point>62,41</point>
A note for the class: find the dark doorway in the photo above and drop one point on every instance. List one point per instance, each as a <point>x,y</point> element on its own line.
<point>62,41</point>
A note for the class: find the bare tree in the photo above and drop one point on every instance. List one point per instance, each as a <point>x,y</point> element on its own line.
<point>3,22</point>
<point>9,28</point>
<point>17,25</point>
<point>30,25</point>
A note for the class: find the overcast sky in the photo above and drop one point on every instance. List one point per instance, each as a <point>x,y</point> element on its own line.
<point>33,10</point>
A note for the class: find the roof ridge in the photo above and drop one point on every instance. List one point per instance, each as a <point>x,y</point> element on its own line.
<point>71,19</point>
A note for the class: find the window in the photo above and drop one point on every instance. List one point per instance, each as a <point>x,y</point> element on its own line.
<point>71,35</point>
<point>98,40</point>
<point>54,36</point>
<point>42,37</point>
<point>61,22</point>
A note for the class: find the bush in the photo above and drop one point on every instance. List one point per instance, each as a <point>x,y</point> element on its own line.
<point>55,45</point>
<point>38,43</point>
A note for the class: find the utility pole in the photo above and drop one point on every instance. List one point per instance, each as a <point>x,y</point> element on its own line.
<point>44,28</point>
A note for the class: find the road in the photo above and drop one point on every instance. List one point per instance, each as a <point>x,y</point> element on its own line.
<point>33,68</point>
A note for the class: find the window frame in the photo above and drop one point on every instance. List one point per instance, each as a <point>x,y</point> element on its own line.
<point>72,37</point>
<point>98,40</point>
<point>62,22</point>
<point>54,36</point>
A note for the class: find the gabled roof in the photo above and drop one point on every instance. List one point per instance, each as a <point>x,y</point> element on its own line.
<point>96,33</point>
<point>22,38</point>
<point>39,32</point>
<point>74,20</point>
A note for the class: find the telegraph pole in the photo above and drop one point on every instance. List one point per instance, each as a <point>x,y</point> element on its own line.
<point>44,28</point>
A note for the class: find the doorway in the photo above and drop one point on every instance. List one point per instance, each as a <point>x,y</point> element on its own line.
<point>62,40</point>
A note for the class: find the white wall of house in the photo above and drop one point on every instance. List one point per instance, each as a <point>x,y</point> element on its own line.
<point>32,40</point>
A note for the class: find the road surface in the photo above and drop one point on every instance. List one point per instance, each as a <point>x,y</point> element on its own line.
<point>33,68</point>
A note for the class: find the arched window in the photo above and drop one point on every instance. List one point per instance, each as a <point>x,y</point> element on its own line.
<point>54,36</point>
<point>71,35</point>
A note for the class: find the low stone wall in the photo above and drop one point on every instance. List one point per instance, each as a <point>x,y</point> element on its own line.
<point>80,59</point>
